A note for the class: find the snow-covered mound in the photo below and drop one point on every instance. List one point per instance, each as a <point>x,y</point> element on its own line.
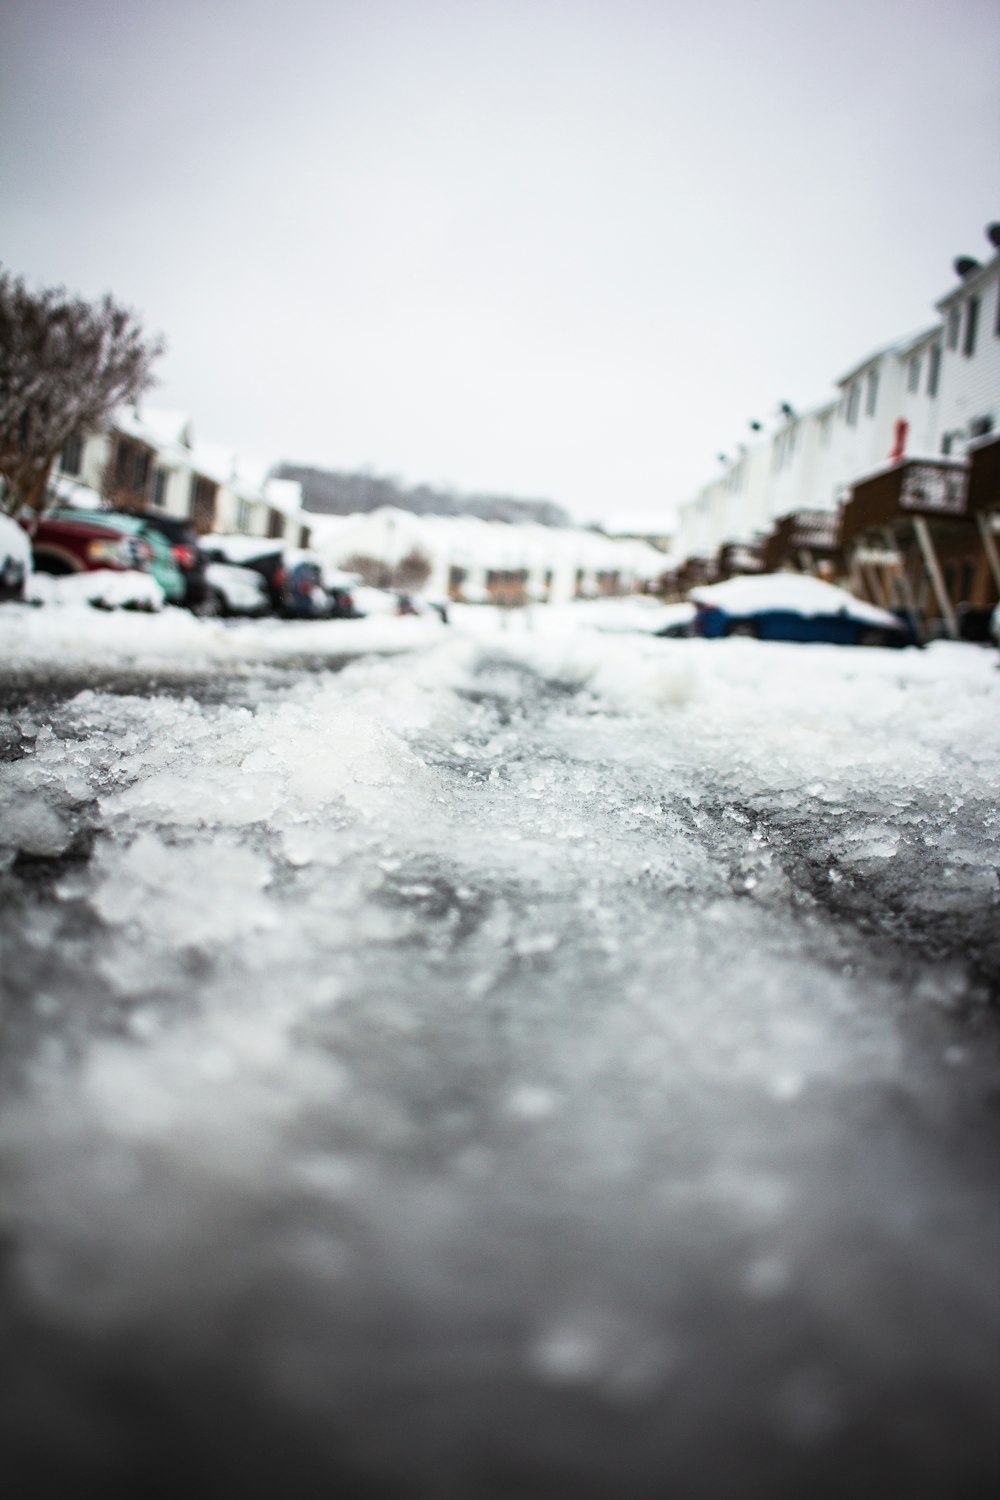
<point>106,588</point>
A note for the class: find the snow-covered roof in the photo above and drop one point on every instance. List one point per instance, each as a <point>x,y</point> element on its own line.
<point>468,541</point>
<point>284,495</point>
<point>168,426</point>
<point>215,461</point>
<point>896,347</point>
<point>918,340</point>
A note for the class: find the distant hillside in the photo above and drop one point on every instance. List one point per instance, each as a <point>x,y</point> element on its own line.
<point>332,493</point>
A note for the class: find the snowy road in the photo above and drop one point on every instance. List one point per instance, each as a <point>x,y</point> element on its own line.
<point>534,1064</point>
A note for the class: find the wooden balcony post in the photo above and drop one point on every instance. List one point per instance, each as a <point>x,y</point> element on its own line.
<point>983,521</point>
<point>933,569</point>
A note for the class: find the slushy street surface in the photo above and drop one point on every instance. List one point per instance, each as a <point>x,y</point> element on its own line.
<point>496,1062</point>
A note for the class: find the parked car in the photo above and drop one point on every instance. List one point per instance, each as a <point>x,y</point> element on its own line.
<point>304,596</point>
<point>187,554</point>
<point>15,560</point>
<point>232,590</point>
<point>76,543</point>
<point>263,557</point>
<point>341,587</point>
<point>115,540</point>
<point>299,585</point>
<point>794,607</point>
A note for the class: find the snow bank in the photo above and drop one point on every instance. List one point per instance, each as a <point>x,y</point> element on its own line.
<point>77,636</point>
<point>106,588</point>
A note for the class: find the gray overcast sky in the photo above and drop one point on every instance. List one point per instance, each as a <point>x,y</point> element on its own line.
<point>559,248</point>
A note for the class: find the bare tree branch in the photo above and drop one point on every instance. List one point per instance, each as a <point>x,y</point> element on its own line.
<point>65,365</point>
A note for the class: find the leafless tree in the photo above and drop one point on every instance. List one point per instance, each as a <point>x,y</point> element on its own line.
<point>412,571</point>
<point>65,365</point>
<point>371,570</point>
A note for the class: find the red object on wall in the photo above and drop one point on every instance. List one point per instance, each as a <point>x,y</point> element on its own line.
<point>899,440</point>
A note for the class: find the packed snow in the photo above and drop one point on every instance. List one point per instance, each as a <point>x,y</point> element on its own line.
<point>523,1048</point>
<point>104,588</point>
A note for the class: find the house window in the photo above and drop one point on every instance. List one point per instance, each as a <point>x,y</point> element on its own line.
<point>275,524</point>
<point>933,370</point>
<point>71,458</point>
<point>140,470</point>
<point>243,515</point>
<point>971,327</point>
<point>954,323</point>
<point>160,487</point>
<point>913,375</point>
<point>123,459</point>
<point>872,393</point>
<point>853,403</point>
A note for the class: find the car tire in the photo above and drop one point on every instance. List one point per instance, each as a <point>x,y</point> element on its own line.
<point>212,607</point>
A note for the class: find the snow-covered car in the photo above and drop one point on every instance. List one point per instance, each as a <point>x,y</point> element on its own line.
<point>76,541</point>
<point>15,559</point>
<point>794,607</point>
<point>340,588</point>
<point>188,556</point>
<point>299,584</point>
<point>232,590</point>
<point>303,594</point>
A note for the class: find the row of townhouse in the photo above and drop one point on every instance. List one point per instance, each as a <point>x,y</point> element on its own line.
<point>933,396</point>
<point>479,561</point>
<point>150,460</point>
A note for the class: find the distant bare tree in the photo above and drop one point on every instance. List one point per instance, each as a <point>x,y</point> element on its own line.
<point>412,571</point>
<point>371,570</point>
<point>65,365</point>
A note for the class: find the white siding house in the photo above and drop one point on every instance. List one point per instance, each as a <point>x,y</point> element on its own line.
<point>934,392</point>
<point>970,367</point>
<point>478,560</point>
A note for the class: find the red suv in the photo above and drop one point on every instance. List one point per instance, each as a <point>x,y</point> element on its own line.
<point>70,546</point>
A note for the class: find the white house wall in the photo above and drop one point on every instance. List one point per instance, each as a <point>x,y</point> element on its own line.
<point>970,385</point>
<point>808,463</point>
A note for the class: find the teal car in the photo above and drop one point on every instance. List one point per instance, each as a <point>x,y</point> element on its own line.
<point>161,563</point>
